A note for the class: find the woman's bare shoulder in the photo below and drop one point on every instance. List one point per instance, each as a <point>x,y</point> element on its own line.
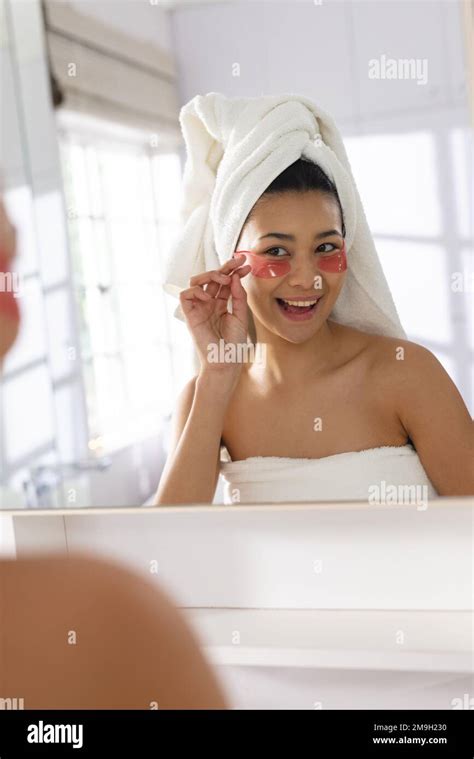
<point>399,355</point>
<point>380,347</point>
<point>388,357</point>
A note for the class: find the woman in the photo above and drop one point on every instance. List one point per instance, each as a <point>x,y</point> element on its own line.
<point>329,397</point>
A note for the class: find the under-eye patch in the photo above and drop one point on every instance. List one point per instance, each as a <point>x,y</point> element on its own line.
<point>334,262</point>
<point>266,268</point>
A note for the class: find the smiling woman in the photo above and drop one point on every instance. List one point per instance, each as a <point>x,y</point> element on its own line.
<point>343,404</point>
<point>304,201</point>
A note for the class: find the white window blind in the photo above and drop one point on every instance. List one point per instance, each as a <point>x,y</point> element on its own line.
<point>122,201</point>
<point>113,76</point>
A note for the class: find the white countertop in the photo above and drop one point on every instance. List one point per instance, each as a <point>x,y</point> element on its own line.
<point>431,641</point>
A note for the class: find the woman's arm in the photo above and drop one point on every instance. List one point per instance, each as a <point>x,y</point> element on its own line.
<point>191,471</point>
<point>192,468</point>
<point>435,418</point>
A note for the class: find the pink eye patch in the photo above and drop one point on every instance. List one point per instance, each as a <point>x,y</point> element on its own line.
<point>268,269</point>
<point>334,262</point>
<point>263,267</point>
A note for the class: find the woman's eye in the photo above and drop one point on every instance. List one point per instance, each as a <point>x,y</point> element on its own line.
<point>330,244</point>
<point>326,248</point>
<point>271,252</point>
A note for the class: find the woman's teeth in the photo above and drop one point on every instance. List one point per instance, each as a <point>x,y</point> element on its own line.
<point>298,309</point>
<point>300,303</point>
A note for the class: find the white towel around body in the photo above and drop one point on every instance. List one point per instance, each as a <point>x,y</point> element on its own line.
<point>376,475</point>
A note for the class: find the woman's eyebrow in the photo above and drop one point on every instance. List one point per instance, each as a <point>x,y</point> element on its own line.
<point>283,236</point>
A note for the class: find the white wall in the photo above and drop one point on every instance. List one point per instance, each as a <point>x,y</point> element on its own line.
<point>409,144</point>
<point>322,51</point>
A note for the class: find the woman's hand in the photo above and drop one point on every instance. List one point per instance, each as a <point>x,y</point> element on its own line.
<point>204,305</point>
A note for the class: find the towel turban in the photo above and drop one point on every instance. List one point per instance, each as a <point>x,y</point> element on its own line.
<point>235,147</point>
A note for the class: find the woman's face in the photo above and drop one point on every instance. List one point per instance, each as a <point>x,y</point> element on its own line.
<point>301,228</point>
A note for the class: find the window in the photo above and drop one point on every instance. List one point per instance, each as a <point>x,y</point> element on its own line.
<point>122,199</point>
<point>423,234</point>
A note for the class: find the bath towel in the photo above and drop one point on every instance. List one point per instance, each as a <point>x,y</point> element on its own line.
<point>235,147</point>
<point>380,476</point>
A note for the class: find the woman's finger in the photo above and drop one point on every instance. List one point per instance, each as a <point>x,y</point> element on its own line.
<point>232,263</point>
<point>242,271</point>
<point>187,297</point>
<point>224,293</point>
<point>213,288</point>
<point>239,298</point>
<point>215,278</point>
<point>209,276</point>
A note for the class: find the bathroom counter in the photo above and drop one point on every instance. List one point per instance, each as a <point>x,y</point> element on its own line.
<point>347,555</point>
<point>422,641</point>
<point>328,605</point>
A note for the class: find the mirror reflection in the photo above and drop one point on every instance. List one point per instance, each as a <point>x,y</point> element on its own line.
<point>235,268</point>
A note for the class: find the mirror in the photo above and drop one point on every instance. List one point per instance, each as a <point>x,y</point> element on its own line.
<point>92,166</point>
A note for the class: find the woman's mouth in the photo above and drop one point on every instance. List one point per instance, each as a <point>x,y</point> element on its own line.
<point>298,310</point>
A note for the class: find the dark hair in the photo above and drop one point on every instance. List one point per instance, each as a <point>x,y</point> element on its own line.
<point>303,176</point>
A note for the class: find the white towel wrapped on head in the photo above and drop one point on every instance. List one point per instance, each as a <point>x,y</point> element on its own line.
<point>235,148</point>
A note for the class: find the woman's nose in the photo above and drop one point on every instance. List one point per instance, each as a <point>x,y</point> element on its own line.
<point>303,272</point>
